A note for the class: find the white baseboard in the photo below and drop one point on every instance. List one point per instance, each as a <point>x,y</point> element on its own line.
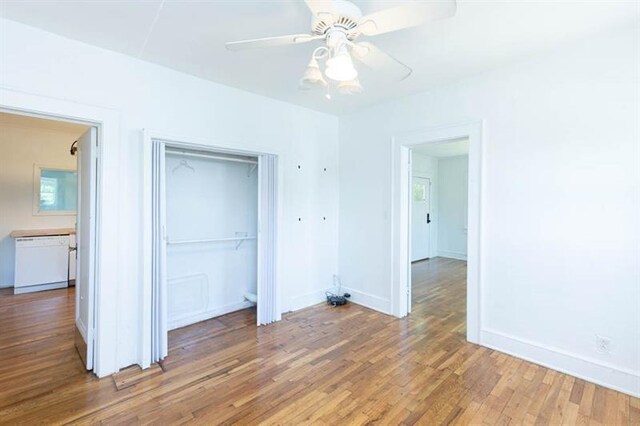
<point>368,300</point>
<point>575,365</point>
<point>40,287</point>
<point>358,297</point>
<point>452,254</point>
<point>306,300</point>
<point>203,316</point>
<point>81,328</point>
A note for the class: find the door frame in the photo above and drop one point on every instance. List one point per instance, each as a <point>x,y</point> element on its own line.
<point>105,280</point>
<point>401,233</point>
<point>150,137</point>
<point>428,179</point>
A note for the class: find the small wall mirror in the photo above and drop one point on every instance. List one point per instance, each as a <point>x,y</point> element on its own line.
<point>55,191</point>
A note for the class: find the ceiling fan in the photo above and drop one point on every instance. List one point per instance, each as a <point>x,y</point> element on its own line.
<point>338,23</point>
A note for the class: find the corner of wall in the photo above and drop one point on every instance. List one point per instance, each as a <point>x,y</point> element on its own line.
<point>369,300</point>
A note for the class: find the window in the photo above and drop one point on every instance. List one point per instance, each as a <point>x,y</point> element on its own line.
<point>55,191</point>
<point>419,191</point>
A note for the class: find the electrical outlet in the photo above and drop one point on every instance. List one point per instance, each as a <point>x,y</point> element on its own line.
<point>603,344</point>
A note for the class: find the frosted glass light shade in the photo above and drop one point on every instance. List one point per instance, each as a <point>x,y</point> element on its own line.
<point>340,68</point>
<point>312,77</point>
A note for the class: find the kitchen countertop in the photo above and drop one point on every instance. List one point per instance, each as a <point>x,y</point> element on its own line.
<point>42,232</point>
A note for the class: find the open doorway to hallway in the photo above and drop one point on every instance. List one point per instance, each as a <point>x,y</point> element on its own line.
<point>438,231</point>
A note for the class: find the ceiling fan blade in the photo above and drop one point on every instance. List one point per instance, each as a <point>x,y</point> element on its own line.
<point>405,16</point>
<point>270,41</point>
<point>383,63</point>
<point>323,9</point>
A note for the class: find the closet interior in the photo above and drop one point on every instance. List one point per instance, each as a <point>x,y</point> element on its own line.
<point>211,234</point>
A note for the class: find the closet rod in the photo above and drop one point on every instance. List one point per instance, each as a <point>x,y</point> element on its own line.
<point>212,156</point>
<point>209,240</point>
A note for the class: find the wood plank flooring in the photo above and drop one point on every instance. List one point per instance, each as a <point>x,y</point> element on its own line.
<point>321,365</point>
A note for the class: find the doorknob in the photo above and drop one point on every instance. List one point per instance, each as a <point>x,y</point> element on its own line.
<point>428,217</point>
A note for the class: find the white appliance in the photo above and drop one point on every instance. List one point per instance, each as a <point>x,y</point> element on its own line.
<point>42,263</point>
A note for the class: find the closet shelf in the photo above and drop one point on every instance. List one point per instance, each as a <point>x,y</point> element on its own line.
<point>210,240</point>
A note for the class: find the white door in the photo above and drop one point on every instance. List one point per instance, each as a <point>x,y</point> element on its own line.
<point>268,309</point>
<point>420,218</point>
<point>86,228</point>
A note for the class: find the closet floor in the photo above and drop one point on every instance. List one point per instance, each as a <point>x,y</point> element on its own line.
<point>324,365</point>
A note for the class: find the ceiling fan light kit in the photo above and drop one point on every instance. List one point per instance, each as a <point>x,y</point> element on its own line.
<point>338,23</point>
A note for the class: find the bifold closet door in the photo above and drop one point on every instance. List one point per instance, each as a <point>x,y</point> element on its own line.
<point>159,256</point>
<point>268,306</point>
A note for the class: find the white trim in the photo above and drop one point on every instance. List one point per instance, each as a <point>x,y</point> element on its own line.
<point>40,287</point>
<point>107,278</point>
<point>305,300</point>
<point>592,370</point>
<point>400,237</point>
<point>82,328</point>
<point>37,175</point>
<point>206,315</point>
<point>144,352</point>
<point>452,254</point>
<point>369,300</point>
<point>204,144</point>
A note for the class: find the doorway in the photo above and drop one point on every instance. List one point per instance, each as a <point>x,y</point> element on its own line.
<point>107,193</point>
<point>48,229</point>
<point>401,272</point>
<point>212,237</point>
<point>438,224</point>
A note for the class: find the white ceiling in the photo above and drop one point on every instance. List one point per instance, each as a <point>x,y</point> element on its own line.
<point>443,149</point>
<point>189,36</point>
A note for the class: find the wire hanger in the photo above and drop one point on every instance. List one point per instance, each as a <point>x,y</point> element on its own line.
<point>183,163</point>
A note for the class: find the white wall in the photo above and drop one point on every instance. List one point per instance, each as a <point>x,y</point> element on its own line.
<point>452,207</point>
<point>21,147</point>
<point>217,199</point>
<point>157,98</point>
<point>560,203</point>
<point>427,166</point>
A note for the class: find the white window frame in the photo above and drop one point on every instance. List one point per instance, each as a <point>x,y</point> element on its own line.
<point>37,174</point>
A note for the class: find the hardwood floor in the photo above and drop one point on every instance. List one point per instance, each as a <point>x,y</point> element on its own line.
<point>323,365</point>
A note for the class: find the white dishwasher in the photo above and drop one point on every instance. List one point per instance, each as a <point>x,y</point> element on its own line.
<point>42,263</point>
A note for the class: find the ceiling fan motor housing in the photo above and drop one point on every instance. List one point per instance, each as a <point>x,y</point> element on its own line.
<point>345,17</point>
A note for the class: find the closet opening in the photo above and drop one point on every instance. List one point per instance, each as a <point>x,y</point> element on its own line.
<point>211,234</point>
<point>212,238</point>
